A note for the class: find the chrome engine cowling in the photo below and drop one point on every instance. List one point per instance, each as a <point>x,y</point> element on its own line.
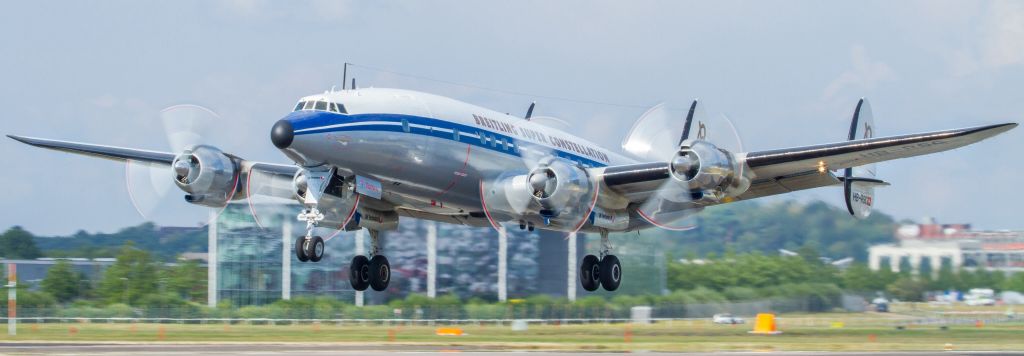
<point>708,172</point>
<point>554,184</point>
<point>556,191</point>
<point>209,176</point>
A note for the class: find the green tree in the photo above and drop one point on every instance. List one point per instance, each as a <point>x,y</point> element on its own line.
<point>187,280</point>
<point>1014,283</point>
<point>946,279</point>
<point>62,282</point>
<point>18,243</point>
<point>134,275</point>
<point>858,277</point>
<point>907,289</point>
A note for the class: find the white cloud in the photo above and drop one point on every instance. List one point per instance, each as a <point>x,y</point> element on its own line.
<point>864,74</point>
<point>1004,34</point>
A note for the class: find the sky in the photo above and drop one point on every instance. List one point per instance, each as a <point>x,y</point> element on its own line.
<point>787,73</point>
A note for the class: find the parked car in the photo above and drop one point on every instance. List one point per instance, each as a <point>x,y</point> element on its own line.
<point>726,318</point>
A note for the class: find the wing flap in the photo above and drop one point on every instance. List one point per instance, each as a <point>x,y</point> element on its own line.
<point>790,183</point>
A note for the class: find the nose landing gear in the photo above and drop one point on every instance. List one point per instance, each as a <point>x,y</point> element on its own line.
<point>307,249</point>
<point>605,271</point>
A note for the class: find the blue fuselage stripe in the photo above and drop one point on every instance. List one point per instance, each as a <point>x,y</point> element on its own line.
<point>315,122</point>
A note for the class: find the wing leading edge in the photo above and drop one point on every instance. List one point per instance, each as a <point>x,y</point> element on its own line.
<point>791,169</point>
<point>132,154</point>
<point>101,151</point>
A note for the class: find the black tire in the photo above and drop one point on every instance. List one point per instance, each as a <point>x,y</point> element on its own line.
<point>300,249</point>
<point>315,249</point>
<point>380,273</point>
<point>359,273</point>
<point>611,273</point>
<point>590,272</point>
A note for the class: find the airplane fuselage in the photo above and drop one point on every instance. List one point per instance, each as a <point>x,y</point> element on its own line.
<point>429,153</point>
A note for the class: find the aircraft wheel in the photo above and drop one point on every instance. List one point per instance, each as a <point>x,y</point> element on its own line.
<point>300,249</point>
<point>315,249</point>
<point>380,273</point>
<point>359,273</point>
<point>611,273</point>
<point>590,271</point>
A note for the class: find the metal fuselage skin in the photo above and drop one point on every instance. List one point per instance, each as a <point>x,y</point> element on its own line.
<point>430,153</point>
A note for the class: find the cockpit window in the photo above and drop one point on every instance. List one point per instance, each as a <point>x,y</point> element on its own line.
<point>333,107</point>
<point>308,106</point>
<point>299,105</point>
<point>321,105</point>
<point>341,108</point>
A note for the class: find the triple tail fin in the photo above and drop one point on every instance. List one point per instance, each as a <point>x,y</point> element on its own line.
<point>859,182</point>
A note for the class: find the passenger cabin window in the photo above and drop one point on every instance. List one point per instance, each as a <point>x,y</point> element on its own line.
<point>299,105</point>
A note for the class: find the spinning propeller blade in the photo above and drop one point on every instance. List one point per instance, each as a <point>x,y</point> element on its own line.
<point>151,187</point>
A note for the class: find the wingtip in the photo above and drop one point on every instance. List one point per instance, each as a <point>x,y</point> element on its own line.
<point>17,138</point>
<point>1006,126</point>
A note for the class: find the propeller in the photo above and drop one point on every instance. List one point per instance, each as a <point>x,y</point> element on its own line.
<point>674,204</point>
<point>151,187</point>
<point>545,188</point>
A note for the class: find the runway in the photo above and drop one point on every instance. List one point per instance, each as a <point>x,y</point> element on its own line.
<point>372,350</point>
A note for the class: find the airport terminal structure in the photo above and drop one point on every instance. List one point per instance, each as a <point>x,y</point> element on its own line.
<point>249,265</point>
<point>956,245</point>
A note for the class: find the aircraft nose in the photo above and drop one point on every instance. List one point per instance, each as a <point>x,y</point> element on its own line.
<point>282,134</point>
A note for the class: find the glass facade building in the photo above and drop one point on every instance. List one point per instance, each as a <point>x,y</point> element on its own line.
<point>256,266</point>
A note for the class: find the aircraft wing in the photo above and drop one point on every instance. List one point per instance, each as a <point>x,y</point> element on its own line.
<point>792,169</point>
<point>125,154</point>
<point>101,151</point>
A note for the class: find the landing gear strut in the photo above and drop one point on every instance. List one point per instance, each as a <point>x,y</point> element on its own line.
<point>373,272</point>
<point>309,247</point>
<point>605,271</point>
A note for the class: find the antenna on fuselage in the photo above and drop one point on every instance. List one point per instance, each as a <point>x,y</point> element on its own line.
<point>344,76</point>
<point>529,112</point>
<point>353,83</point>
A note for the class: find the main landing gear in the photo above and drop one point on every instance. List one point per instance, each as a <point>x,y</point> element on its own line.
<point>373,272</point>
<point>605,271</point>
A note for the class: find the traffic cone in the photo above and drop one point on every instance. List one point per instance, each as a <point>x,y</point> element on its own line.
<point>765,325</point>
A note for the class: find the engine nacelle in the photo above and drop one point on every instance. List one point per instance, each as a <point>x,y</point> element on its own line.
<point>555,184</point>
<point>708,171</point>
<point>557,191</point>
<point>209,176</point>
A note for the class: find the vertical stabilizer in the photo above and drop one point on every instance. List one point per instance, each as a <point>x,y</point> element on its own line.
<point>859,182</point>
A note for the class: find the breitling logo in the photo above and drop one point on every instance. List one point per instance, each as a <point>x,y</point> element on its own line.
<point>702,131</point>
<point>868,132</point>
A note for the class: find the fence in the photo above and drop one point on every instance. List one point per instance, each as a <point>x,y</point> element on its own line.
<point>557,311</point>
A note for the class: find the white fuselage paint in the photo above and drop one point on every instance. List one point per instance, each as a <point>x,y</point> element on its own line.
<point>407,141</point>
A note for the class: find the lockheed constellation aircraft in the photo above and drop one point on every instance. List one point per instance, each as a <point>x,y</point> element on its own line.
<point>364,158</point>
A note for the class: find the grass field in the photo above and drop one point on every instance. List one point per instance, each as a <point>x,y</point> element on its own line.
<point>676,336</point>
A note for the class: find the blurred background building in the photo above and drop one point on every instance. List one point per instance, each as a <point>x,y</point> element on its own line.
<point>955,245</point>
<point>254,266</point>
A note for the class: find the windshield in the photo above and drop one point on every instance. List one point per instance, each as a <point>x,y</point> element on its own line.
<point>320,105</point>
